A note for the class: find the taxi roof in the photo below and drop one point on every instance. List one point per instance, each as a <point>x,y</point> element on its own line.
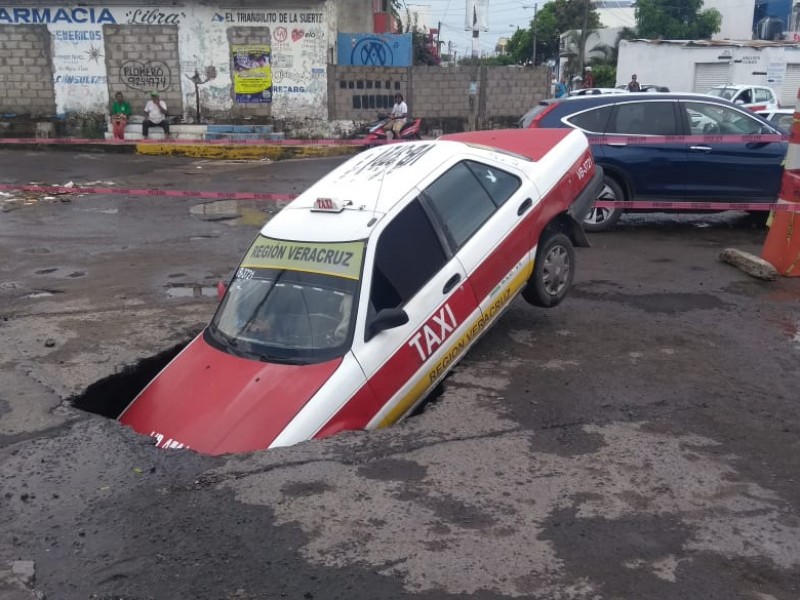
<point>372,183</point>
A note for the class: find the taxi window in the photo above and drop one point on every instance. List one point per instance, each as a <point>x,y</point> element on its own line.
<point>499,184</point>
<point>408,255</point>
<point>461,201</point>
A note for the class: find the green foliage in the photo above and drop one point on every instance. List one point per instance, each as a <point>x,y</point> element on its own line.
<point>676,20</point>
<point>552,19</point>
<point>605,75</point>
<point>500,60</point>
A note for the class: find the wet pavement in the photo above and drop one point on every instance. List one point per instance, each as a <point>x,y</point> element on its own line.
<point>642,440</point>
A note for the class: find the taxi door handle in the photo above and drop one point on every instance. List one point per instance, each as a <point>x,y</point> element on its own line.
<point>451,283</point>
<point>700,148</point>
<point>524,207</point>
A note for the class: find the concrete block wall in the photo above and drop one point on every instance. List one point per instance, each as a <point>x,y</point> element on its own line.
<point>440,92</point>
<point>143,58</point>
<point>26,71</point>
<point>448,98</point>
<point>359,93</point>
<point>243,36</point>
<point>515,90</point>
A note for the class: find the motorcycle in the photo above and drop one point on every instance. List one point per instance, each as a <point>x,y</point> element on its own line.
<point>379,130</point>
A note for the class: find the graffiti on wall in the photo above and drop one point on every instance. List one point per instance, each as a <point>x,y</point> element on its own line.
<point>146,76</point>
<point>375,50</point>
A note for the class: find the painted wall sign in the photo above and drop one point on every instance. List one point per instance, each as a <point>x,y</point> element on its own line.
<point>268,17</point>
<point>252,73</point>
<point>298,42</point>
<point>46,16</point>
<point>375,50</point>
<point>153,16</point>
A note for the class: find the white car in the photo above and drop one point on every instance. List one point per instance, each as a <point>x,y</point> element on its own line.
<point>595,91</point>
<point>754,97</point>
<point>782,118</point>
<point>360,296</point>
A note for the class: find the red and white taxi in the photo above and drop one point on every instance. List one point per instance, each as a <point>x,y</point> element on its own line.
<point>360,296</point>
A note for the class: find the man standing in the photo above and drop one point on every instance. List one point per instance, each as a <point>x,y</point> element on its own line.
<point>588,78</point>
<point>561,87</point>
<point>156,115</point>
<point>634,86</point>
<point>398,115</point>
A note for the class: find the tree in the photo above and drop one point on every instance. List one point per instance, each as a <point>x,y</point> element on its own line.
<point>552,19</point>
<point>676,20</point>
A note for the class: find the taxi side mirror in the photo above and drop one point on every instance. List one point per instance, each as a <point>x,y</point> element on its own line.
<point>388,318</point>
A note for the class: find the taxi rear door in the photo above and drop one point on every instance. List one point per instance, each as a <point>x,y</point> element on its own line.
<point>481,208</point>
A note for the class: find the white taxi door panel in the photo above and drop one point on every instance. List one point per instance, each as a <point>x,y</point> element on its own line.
<point>407,267</point>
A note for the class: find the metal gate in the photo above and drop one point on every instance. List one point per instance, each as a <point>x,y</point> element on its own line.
<point>707,75</point>
<point>791,84</point>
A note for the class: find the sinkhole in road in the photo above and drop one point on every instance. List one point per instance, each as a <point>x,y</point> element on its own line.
<point>109,396</point>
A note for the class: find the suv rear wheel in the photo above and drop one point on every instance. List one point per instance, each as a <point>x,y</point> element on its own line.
<point>552,272</point>
<point>602,219</point>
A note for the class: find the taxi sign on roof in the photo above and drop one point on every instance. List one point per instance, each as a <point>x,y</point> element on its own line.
<point>327,205</point>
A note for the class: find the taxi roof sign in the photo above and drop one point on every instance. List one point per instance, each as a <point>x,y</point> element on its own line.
<point>327,205</point>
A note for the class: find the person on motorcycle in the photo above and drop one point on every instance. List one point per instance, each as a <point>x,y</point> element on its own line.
<point>398,115</point>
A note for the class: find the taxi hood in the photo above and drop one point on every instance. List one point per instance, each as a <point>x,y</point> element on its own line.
<point>216,403</point>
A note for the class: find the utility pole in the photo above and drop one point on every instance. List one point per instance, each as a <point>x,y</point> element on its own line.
<point>533,53</point>
<point>583,37</point>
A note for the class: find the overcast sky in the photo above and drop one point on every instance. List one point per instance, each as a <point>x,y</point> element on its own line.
<point>504,17</point>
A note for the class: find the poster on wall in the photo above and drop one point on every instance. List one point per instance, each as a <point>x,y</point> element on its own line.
<point>252,73</point>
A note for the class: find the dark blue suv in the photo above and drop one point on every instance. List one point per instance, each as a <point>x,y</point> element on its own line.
<point>727,167</point>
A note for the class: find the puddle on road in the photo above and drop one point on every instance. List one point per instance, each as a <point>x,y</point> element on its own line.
<point>191,290</point>
<point>235,212</point>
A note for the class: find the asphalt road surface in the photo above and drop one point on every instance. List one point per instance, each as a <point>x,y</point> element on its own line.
<point>640,441</point>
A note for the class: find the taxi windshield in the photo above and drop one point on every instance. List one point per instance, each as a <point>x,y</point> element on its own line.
<point>290,302</point>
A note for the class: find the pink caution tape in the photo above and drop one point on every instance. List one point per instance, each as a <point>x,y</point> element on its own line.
<point>634,204</point>
<point>293,142</point>
<point>683,206</point>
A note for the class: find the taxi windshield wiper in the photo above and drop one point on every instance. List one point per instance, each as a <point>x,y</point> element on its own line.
<point>282,360</point>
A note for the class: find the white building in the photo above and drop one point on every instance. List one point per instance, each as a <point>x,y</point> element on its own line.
<point>698,66</point>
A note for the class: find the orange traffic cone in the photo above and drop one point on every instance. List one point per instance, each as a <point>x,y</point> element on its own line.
<point>782,248</point>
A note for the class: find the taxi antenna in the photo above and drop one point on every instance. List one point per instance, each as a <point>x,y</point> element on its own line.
<point>378,197</point>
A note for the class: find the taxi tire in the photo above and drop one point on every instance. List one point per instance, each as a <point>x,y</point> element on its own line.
<point>555,252</point>
<point>612,190</point>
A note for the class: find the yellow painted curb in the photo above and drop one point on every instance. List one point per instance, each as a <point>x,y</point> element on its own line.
<point>245,152</point>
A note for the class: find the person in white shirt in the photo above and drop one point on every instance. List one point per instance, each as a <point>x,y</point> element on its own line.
<point>156,110</point>
<point>398,115</point>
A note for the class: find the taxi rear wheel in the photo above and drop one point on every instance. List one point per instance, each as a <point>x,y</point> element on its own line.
<point>552,272</point>
<point>602,219</point>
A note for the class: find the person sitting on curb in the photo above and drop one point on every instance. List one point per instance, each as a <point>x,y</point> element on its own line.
<point>156,115</point>
<point>120,112</point>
